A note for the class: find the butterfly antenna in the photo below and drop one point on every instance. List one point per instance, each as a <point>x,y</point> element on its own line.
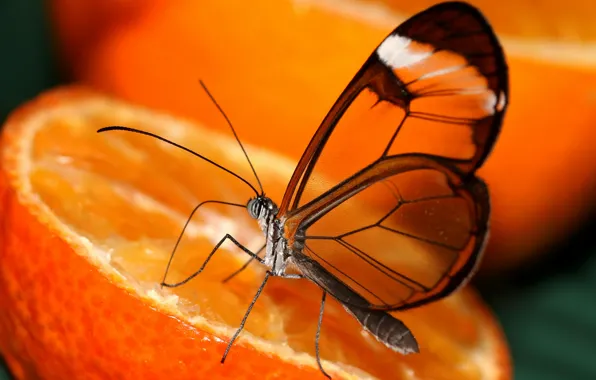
<point>127,129</point>
<point>233,131</point>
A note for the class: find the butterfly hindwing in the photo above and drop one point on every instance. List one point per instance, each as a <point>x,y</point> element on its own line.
<point>419,249</point>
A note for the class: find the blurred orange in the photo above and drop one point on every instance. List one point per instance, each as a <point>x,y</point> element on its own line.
<point>276,68</point>
<point>80,297</point>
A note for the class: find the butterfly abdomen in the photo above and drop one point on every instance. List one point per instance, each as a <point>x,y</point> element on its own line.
<point>388,330</point>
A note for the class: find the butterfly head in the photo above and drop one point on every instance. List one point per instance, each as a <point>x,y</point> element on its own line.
<point>261,207</point>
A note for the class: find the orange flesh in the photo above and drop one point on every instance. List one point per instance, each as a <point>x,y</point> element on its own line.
<point>130,195</point>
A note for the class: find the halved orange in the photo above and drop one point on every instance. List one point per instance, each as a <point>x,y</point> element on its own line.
<point>88,224</point>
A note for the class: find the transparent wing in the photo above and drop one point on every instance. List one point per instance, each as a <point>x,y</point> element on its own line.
<point>401,233</point>
<point>438,85</point>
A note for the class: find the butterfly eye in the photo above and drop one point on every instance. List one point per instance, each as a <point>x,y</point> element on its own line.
<point>254,208</point>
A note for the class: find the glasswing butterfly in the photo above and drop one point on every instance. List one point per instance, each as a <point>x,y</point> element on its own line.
<point>424,112</point>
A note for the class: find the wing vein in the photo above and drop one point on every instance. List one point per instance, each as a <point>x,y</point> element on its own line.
<point>419,238</point>
<point>345,274</point>
<point>379,265</point>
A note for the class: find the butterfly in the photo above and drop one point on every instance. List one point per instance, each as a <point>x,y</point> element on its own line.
<point>423,113</point>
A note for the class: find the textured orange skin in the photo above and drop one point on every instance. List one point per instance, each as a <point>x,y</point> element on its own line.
<point>66,320</point>
<point>263,62</point>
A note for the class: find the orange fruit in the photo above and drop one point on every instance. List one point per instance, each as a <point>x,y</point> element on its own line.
<point>289,60</point>
<point>88,223</point>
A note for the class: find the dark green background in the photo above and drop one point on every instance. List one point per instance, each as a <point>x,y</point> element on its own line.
<point>548,310</point>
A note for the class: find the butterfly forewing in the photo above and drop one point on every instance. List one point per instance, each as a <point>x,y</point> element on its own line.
<point>437,84</point>
<point>420,117</point>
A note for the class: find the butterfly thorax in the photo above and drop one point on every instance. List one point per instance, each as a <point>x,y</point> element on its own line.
<point>264,210</point>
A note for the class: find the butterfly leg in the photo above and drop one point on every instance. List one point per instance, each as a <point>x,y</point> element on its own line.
<point>291,276</point>
<point>246,264</point>
<point>227,237</point>
<point>254,300</point>
<point>318,335</point>
<point>163,281</point>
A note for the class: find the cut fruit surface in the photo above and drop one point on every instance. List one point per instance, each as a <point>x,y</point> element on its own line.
<point>88,224</point>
